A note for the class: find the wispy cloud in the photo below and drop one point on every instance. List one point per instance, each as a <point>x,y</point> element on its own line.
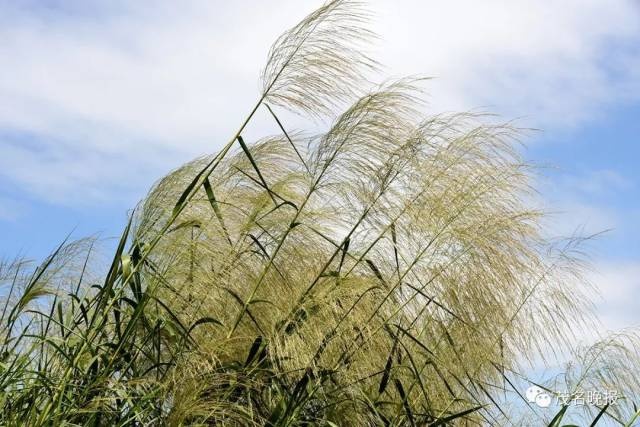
<point>555,62</point>
<point>619,283</point>
<point>586,203</point>
<point>104,100</point>
<point>579,201</point>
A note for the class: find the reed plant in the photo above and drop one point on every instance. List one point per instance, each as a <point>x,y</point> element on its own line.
<point>387,270</point>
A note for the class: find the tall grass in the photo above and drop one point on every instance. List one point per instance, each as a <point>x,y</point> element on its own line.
<point>387,271</point>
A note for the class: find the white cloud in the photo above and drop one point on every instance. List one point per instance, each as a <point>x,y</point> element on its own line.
<point>104,101</point>
<point>596,182</point>
<point>576,202</point>
<point>619,283</point>
<point>547,60</point>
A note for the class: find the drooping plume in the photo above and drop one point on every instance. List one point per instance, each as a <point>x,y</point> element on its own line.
<point>320,63</point>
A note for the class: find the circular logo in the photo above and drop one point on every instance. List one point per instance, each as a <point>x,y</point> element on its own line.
<point>538,396</point>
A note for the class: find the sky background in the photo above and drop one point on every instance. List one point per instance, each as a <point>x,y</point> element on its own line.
<point>100,99</point>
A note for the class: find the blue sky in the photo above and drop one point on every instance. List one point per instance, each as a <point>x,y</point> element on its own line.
<point>100,99</point>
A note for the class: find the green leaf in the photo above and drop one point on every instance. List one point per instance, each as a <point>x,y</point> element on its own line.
<point>216,209</point>
<point>187,191</point>
<point>452,417</point>
<point>555,422</point>
<point>253,351</point>
<point>247,152</point>
<point>203,321</point>
<point>405,402</point>
<point>387,367</point>
<point>600,414</point>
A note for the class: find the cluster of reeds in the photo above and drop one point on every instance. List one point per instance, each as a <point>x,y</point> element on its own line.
<point>387,271</point>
